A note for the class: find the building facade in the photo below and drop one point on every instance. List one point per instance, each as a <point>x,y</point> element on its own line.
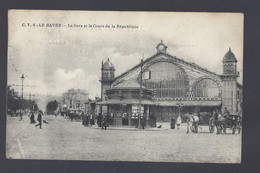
<point>169,86</point>
<point>74,100</point>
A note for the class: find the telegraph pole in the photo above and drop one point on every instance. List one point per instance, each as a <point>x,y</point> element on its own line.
<point>102,96</point>
<point>180,105</point>
<point>33,103</point>
<point>21,114</point>
<point>140,94</point>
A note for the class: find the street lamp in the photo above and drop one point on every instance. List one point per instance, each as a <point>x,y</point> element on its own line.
<point>33,103</point>
<point>22,77</point>
<point>180,105</point>
<point>140,94</point>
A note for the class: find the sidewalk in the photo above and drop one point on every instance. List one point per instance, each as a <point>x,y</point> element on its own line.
<point>127,128</point>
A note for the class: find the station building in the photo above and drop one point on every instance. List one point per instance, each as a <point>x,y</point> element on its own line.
<point>169,86</point>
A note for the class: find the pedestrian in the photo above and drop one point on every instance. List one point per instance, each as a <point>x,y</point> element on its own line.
<point>32,118</point>
<point>189,122</point>
<point>173,122</point>
<point>92,122</point>
<point>87,119</point>
<point>39,119</point>
<point>99,119</point>
<point>178,122</point>
<point>104,122</point>
<point>83,116</point>
<point>226,113</point>
<point>21,116</point>
<point>144,122</point>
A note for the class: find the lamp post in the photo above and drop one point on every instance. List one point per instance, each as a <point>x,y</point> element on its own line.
<point>140,94</point>
<point>33,103</point>
<point>180,105</point>
<point>21,114</point>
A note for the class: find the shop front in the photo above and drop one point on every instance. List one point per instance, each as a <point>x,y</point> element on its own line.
<point>123,106</point>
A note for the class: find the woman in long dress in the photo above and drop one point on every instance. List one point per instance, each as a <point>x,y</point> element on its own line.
<point>178,122</point>
<point>32,118</point>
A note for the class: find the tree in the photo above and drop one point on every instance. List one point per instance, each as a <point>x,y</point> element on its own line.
<point>13,100</point>
<point>15,103</point>
<point>74,98</point>
<point>52,107</point>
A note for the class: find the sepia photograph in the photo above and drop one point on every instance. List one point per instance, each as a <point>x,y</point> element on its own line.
<point>125,86</point>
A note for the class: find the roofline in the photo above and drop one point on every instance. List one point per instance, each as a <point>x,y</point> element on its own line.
<point>137,65</point>
<point>235,60</point>
<point>128,88</point>
<point>181,60</point>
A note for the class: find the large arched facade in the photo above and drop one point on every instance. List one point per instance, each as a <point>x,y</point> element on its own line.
<point>166,78</point>
<point>176,87</point>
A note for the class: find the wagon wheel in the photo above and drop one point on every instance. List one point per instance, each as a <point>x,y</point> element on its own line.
<point>211,126</point>
<point>233,129</point>
<point>192,128</point>
<point>195,128</point>
<point>239,129</point>
<point>224,129</point>
<point>219,129</point>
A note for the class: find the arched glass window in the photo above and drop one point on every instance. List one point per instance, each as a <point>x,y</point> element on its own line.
<point>167,80</point>
<point>206,88</point>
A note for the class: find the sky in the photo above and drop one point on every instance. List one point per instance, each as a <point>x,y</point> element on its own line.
<point>55,59</point>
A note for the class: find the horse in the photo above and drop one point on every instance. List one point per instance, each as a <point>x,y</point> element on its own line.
<point>192,123</point>
<point>220,124</point>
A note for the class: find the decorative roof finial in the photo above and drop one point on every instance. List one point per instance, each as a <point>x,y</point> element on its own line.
<point>229,49</point>
<point>161,47</point>
<point>107,59</point>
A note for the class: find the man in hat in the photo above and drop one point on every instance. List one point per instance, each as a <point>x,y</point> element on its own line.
<point>39,119</point>
<point>173,122</point>
<point>32,118</point>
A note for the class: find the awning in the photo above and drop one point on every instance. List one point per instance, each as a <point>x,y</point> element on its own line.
<point>204,103</point>
<point>126,101</point>
<point>209,103</point>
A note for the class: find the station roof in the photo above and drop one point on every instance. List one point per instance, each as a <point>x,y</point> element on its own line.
<point>127,101</point>
<point>210,103</point>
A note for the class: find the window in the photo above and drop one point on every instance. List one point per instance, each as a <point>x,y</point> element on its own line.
<point>135,111</point>
<point>167,80</point>
<point>206,88</point>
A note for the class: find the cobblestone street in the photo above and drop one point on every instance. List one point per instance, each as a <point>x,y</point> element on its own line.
<point>65,140</point>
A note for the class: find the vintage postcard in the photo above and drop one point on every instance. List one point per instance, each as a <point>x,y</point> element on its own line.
<point>125,86</point>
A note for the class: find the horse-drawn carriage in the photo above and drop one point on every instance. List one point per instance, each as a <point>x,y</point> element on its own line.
<point>198,120</point>
<point>224,122</point>
<point>72,114</point>
<point>221,122</point>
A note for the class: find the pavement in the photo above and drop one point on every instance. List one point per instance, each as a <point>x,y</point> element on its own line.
<point>127,128</point>
<point>62,139</point>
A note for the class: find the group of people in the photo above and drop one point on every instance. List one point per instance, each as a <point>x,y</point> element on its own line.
<point>87,119</point>
<point>39,118</point>
<point>103,121</point>
<point>177,122</point>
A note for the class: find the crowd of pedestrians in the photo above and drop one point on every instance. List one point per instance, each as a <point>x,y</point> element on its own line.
<point>39,118</point>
